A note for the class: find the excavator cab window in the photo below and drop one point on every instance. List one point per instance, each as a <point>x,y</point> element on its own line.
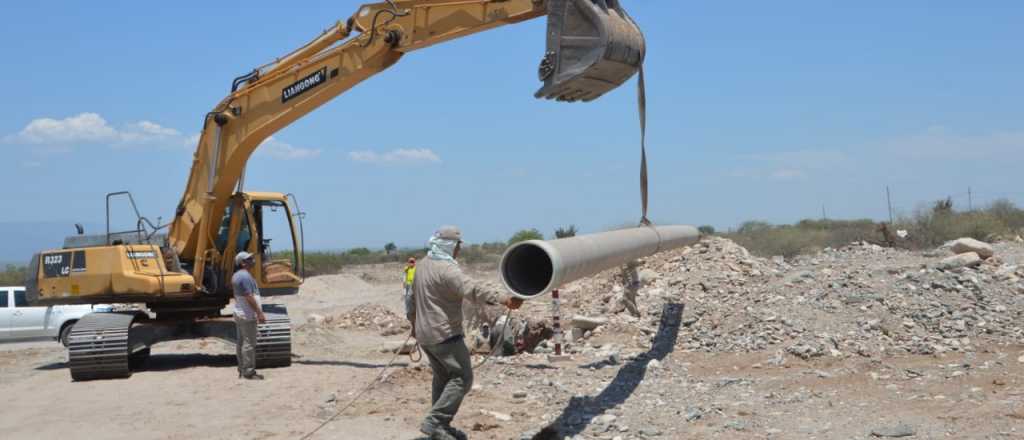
<point>276,248</point>
<point>223,232</point>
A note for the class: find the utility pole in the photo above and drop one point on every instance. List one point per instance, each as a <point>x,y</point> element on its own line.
<point>888,198</point>
<point>824,216</point>
<point>970,200</point>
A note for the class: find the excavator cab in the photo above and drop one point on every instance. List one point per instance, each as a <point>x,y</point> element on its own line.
<point>269,229</point>
<point>593,47</point>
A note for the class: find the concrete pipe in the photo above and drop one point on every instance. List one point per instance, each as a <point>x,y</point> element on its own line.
<point>534,268</point>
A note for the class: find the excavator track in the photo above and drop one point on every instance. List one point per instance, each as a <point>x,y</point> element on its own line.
<point>98,346</point>
<point>274,339</point>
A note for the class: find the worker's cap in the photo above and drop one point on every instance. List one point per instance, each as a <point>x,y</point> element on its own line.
<point>448,232</point>
<point>241,257</point>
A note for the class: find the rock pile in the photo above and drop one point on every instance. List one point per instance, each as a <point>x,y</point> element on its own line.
<point>861,299</point>
<point>373,317</point>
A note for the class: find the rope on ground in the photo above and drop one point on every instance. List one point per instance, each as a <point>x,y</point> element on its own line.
<point>369,386</point>
<point>361,392</point>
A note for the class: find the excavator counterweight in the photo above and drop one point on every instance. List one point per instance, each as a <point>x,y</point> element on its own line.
<point>593,47</point>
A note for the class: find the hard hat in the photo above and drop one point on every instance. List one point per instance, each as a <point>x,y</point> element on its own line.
<point>449,232</point>
<point>241,257</point>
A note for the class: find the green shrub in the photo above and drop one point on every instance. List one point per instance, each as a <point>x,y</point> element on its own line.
<point>566,232</point>
<point>1008,214</point>
<point>753,226</point>
<point>327,262</point>
<point>12,276</point>
<point>706,230</point>
<point>930,228</point>
<point>524,235</point>
<point>807,236</point>
<point>360,252</point>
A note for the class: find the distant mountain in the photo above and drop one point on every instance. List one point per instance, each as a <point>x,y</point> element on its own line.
<point>19,240</point>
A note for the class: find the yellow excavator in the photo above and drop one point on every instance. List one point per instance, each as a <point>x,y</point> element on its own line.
<point>182,275</point>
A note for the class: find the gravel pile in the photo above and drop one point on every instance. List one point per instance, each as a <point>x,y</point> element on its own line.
<point>373,317</point>
<point>861,299</point>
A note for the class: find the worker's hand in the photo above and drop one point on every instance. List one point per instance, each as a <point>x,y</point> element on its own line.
<point>513,303</point>
<point>261,318</point>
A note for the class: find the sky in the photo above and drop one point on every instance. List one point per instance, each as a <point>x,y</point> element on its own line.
<point>774,111</point>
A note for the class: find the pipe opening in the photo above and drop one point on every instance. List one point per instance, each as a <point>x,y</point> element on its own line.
<point>527,269</point>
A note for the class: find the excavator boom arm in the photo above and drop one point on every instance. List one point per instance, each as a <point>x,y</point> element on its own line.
<point>277,94</point>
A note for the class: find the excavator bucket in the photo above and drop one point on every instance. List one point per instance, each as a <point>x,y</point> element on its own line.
<point>593,47</point>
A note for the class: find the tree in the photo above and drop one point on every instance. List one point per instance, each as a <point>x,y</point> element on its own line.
<point>359,252</point>
<point>753,226</point>
<point>943,207</point>
<point>706,230</point>
<point>390,248</point>
<point>566,232</point>
<point>524,235</point>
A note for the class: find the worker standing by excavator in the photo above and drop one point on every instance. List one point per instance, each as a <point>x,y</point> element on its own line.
<point>438,289</point>
<point>248,314</point>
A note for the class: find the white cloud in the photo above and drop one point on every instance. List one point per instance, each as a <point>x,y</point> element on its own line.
<point>941,143</point>
<point>786,174</point>
<point>396,156</point>
<point>789,165</point>
<point>191,142</point>
<point>282,150</point>
<point>50,134</point>
<point>85,127</point>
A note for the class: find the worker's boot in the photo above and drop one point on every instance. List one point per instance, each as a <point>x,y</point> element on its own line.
<point>458,434</point>
<point>437,432</point>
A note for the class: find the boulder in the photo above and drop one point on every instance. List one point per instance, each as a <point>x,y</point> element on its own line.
<point>587,323</point>
<point>969,259</point>
<point>647,276</point>
<point>967,245</point>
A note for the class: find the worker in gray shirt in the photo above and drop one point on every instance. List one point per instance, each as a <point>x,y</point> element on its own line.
<point>248,315</point>
<point>438,290</point>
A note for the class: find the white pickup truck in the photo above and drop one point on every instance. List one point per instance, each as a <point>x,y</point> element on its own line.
<point>19,321</point>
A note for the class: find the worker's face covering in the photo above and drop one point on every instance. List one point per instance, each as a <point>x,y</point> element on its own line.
<point>442,249</point>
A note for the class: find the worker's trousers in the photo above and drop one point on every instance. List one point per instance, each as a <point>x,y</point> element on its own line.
<point>410,306</point>
<point>245,345</point>
<point>453,378</point>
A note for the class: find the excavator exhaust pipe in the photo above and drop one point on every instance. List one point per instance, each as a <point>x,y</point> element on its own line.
<point>533,268</point>
<point>593,47</point>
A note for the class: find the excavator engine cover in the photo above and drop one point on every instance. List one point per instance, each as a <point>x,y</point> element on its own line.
<point>593,47</point>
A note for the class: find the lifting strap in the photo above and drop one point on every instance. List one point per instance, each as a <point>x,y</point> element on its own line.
<point>642,104</point>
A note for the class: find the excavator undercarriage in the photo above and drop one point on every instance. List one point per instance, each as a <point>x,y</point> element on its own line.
<point>110,345</point>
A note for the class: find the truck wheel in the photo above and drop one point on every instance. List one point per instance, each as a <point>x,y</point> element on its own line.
<point>65,332</point>
<point>139,358</point>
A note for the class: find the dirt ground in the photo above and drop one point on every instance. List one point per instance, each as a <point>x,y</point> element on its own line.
<point>189,389</point>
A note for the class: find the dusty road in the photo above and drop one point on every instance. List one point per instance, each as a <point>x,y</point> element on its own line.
<point>619,385</point>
